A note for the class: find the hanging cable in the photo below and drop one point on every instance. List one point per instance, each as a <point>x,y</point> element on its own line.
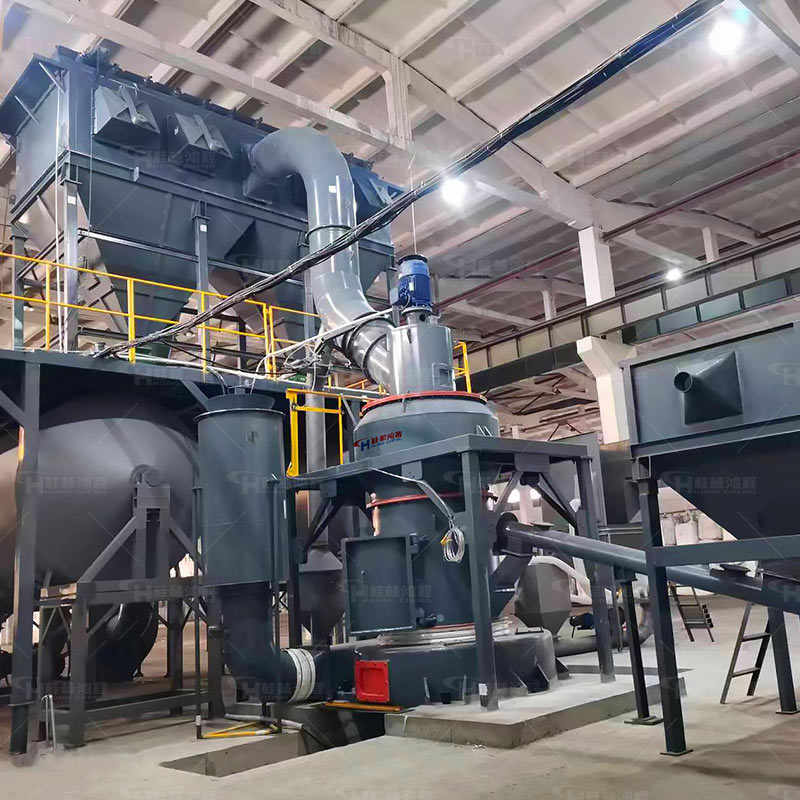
<point>543,112</point>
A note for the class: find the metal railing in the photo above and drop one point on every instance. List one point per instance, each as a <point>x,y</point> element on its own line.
<point>460,352</point>
<point>49,303</point>
<point>295,407</point>
<point>271,347</point>
<point>277,342</point>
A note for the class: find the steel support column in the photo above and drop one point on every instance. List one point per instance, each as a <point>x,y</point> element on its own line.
<point>643,715</point>
<point>201,252</point>
<point>46,657</point>
<point>783,662</point>
<point>175,647</point>
<point>78,657</point>
<point>669,682</point>
<point>70,277</point>
<point>478,554</point>
<point>28,490</point>
<point>214,642</point>
<point>586,519</point>
<point>316,422</point>
<point>293,576</point>
<point>18,240</point>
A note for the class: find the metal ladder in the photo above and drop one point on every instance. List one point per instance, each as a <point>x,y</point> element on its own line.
<point>694,614</point>
<point>754,671</point>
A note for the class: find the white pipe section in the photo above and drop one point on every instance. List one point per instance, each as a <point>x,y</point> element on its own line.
<point>330,197</point>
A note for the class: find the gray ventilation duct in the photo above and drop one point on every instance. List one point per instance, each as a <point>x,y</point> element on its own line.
<point>244,529</point>
<point>330,197</point>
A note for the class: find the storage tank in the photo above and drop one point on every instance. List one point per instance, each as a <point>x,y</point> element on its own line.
<point>91,452</point>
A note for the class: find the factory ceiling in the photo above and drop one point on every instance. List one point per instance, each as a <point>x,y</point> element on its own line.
<point>411,84</point>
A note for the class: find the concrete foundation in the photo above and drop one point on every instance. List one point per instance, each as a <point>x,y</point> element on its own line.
<point>229,759</point>
<point>741,750</point>
<point>572,703</point>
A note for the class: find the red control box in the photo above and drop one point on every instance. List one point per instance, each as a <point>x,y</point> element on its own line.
<point>372,681</point>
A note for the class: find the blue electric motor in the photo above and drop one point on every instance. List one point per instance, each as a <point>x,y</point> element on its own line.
<point>413,283</point>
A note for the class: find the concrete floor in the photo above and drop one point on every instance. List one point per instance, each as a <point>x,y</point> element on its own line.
<point>741,750</point>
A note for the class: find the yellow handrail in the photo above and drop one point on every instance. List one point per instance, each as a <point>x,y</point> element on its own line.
<point>294,424</point>
<point>130,314</point>
<point>131,322</point>
<point>274,340</point>
<point>463,371</point>
<point>272,343</point>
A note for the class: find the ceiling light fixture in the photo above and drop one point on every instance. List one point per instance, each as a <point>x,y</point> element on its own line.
<point>674,274</point>
<point>454,191</point>
<point>726,37</point>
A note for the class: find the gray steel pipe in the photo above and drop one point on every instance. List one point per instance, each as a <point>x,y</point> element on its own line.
<point>773,592</point>
<point>336,283</point>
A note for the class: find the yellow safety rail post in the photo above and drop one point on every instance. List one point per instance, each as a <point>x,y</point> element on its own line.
<point>294,427</point>
<point>47,308</point>
<point>203,334</point>
<point>131,321</point>
<point>340,420</point>
<point>265,316</point>
<point>461,352</point>
<point>271,363</point>
<point>362,384</point>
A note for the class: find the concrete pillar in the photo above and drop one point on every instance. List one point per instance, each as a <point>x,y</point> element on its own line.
<point>549,301</point>
<point>598,278</point>
<point>603,359</point>
<point>710,245</point>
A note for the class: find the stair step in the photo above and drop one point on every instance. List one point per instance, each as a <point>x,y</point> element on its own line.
<point>749,671</point>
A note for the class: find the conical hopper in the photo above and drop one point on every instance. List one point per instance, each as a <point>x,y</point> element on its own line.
<point>120,208</point>
<point>720,424</point>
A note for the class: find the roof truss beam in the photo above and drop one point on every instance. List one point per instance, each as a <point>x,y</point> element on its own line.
<point>636,242</point>
<point>783,25</point>
<point>429,27</point>
<point>517,50</point>
<point>666,104</point>
<point>410,42</point>
<point>81,15</point>
<point>563,200</point>
<point>297,44</point>
<point>464,307</point>
<point>447,286</point>
<point>201,32</point>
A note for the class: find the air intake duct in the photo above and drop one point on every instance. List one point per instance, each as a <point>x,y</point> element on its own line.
<point>710,389</point>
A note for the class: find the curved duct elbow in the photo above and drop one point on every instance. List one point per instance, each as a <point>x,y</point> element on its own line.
<point>260,667</point>
<point>336,282</point>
